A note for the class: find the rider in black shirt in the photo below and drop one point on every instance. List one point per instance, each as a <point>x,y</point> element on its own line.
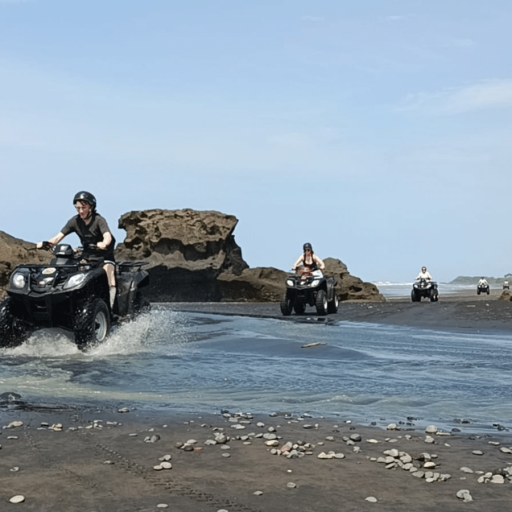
<point>93,229</point>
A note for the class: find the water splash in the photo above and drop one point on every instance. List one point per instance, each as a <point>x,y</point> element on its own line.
<point>160,330</point>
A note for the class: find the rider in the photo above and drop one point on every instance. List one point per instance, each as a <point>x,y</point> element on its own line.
<point>424,274</point>
<point>92,229</point>
<point>483,282</point>
<point>311,263</point>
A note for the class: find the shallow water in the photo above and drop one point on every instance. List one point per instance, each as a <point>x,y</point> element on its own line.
<point>200,362</point>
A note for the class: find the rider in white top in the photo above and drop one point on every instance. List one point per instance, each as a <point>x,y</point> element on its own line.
<point>424,274</point>
<point>483,282</point>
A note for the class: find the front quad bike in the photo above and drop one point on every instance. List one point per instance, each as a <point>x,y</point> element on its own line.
<point>424,289</point>
<point>72,294</point>
<point>483,288</point>
<point>306,289</point>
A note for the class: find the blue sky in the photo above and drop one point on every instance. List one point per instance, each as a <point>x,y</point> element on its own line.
<point>379,131</point>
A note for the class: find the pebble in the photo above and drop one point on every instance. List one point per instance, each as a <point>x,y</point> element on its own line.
<point>123,410</point>
<point>258,493</point>
<point>152,439</point>
<point>15,424</point>
<point>17,499</point>
<point>162,505</point>
<point>464,495</point>
<point>291,485</point>
<point>371,499</point>
<point>431,429</point>
<point>477,452</point>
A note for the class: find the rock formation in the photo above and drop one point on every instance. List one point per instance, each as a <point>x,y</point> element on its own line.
<point>186,252</point>
<point>14,252</point>
<point>192,256</point>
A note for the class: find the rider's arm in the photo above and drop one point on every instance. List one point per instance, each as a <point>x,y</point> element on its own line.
<point>53,241</point>
<point>298,262</point>
<point>107,240</point>
<point>319,262</point>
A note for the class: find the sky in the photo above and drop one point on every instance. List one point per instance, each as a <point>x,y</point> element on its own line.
<point>379,131</point>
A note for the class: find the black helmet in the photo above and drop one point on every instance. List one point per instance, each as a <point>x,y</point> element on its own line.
<point>87,197</point>
<point>307,246</point>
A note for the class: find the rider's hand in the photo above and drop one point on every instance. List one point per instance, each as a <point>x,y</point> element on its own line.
<point>101,245</point>
<point>39,245</point>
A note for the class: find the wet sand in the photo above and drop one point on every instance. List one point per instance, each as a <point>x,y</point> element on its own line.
<point>462,312</point>
<point>102,460</point>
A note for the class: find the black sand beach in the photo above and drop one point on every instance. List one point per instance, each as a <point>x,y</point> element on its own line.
<point>103,460</point>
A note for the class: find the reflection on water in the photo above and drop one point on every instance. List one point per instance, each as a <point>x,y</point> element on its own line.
<point>201,362</point>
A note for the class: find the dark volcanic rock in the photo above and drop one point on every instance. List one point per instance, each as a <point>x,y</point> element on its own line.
<point>351,287</point>
<point>14,252</point>
<point>186,251</point>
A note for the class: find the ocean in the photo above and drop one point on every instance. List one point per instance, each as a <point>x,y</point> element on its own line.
<point>193,362</point>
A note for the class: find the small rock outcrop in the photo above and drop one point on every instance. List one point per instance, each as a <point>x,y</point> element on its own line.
<point>350,287</point>
<point>14,252</point>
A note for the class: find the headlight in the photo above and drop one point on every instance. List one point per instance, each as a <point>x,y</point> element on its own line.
<point>316,282</point>
<point>290,282</point>
<point>74,281</point>
<point>19,280</point>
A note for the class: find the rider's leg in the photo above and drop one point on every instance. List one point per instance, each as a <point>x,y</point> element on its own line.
<point>110,270</point>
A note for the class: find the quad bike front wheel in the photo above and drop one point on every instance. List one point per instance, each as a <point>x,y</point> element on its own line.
<point>12,333</point>
<point>321,302</point>
<point>92,323</point>
<point>286,305</point>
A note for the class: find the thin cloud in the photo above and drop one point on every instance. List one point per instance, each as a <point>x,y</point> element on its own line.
<point>483,95</point>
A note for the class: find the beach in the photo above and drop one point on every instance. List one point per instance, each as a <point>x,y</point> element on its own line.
<point>125,459</point>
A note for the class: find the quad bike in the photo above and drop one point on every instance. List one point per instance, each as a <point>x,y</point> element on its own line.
<point>70,293</point>
<point>483,288</point>
<point>424,289</point>
<point>309,289</point>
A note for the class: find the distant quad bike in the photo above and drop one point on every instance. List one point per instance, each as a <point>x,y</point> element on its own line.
<point>307,289</point>
<point>506,286</point>
<point>483,288</point>
<point>72,294</point>
<point>424,289</point>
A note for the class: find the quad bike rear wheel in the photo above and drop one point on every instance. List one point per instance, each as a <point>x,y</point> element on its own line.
<point>333,305</point>
<point>92,323</point>
<point>321,302</point>
<point>141,304</point>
